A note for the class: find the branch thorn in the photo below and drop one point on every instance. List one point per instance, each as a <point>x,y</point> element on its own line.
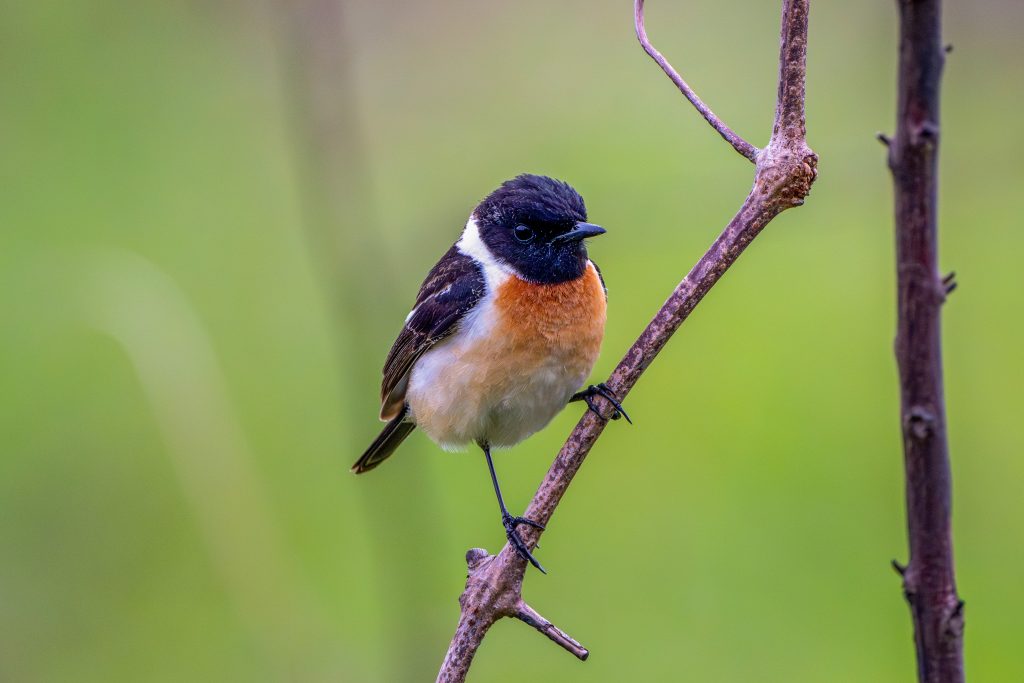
<point>901,569</point>
<point>949,283</point>
<point>475,557</point>
<point>883,138</point>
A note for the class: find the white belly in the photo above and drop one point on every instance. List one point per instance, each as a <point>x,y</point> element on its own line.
<point>516,360</point>
<point>460,392</point>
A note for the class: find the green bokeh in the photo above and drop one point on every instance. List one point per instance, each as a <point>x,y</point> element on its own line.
<point>192,332</point>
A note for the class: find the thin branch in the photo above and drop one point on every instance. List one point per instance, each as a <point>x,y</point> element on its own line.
<point>929,582</point>
<point>738,143</point>
<point>784,173</point>
<point>790,123</point>
<point>527,614</point>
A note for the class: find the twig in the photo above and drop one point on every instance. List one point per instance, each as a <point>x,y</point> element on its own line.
<point>738,143</point>
<point>784,172</point>
<point>527,614</point>
<point>929,583</point>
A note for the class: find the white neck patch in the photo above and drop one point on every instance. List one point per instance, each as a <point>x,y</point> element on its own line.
<point>471,244</point>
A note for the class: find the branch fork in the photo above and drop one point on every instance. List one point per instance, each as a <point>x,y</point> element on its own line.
<point>784,172</point>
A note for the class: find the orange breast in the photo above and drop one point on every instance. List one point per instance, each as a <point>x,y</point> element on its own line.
<point>564,320</point>
<point>508,374</point>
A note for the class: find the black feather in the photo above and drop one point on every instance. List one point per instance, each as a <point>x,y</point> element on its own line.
<point>385,444</point>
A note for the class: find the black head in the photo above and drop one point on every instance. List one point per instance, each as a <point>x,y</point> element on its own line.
<point>537,225</point>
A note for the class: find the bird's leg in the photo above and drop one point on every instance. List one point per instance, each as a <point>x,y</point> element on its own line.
<point>604,392</point>
<point>508,520</point>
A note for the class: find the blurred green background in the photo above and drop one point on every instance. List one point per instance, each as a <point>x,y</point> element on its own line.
<point>213,219</point>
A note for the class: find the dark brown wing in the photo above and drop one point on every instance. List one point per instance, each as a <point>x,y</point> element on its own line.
<point>454,286</point>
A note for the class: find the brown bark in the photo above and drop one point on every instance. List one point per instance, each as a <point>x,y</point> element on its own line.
<point>928,579</point>
<point>784,172</point>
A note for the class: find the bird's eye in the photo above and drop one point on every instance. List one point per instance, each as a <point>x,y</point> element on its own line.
<point>523,233</point>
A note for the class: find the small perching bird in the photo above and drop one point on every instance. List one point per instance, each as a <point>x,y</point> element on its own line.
<point>505,330</point>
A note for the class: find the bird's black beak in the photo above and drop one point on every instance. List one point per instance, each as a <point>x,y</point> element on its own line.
<point>580,232</point>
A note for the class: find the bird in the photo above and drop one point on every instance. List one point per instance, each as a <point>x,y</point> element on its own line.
<point>505,330</point>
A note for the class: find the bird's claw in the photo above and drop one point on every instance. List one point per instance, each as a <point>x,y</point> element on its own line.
<point>604,392</point>
<point>511,523</point>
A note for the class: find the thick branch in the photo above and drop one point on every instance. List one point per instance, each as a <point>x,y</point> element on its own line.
<point>785,170</point>
<point>928,579</point>
<point>738,143</point>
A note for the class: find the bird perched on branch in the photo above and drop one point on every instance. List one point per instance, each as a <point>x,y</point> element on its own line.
<point>505,330</point>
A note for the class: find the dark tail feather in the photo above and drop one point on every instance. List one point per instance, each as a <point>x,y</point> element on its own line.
<point>385,444</point>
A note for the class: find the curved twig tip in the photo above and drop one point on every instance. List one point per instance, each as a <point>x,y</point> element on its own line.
<point>739,144</point>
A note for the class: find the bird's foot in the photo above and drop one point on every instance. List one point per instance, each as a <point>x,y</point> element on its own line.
<point>511,523</point>
<point>604,392</point>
